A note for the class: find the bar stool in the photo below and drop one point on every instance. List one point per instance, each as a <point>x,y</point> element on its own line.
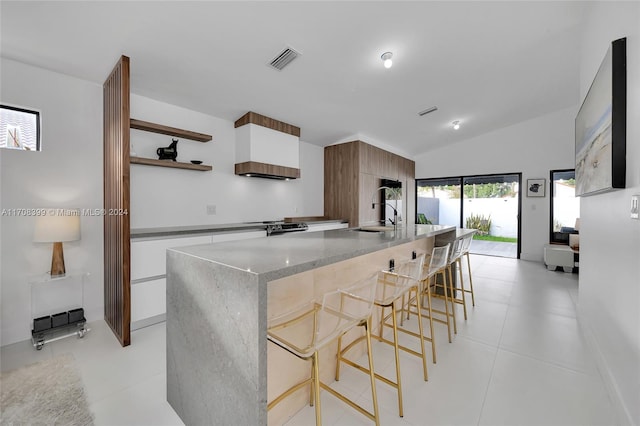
<point>456,260</point>
<point>437,267</point>
<point>440,265</point>
<point>311,327</point>
<point>466,245</point>
<point>392,287</point>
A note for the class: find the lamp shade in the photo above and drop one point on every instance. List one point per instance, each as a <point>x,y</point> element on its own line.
<point>57,227</point>
<point>577,225</point>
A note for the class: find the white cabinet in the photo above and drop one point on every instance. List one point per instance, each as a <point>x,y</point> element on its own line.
<point>149,268</point>
<point>149,258</point>
<point>148,302</point>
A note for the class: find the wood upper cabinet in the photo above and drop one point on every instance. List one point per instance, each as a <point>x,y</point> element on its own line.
<point>378,162</point>
<point>352,173</point>
<point>368,215</point>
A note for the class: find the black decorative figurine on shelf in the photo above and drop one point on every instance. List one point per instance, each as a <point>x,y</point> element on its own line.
<point>170,152</point>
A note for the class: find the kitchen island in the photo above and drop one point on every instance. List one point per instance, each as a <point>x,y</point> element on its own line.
<point>219,300</point>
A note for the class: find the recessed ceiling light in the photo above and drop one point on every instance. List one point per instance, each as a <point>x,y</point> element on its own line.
<point>386,58</point>
<point>456,125</point>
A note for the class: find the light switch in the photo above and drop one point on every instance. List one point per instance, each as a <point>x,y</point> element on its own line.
<point>635,209</point>
<point>211,209</point>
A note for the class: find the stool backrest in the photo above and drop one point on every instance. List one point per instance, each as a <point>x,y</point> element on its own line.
<point>354,302</point>
<point>392,284</point>
<point>466,244</point>
<point>439,259</point>
<point>411,269</point>
<point>456,249</point>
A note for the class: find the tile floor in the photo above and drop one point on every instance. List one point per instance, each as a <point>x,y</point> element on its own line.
<point>518,359</point>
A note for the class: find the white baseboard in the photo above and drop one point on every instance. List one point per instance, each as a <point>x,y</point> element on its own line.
<point>623,416</point>
<point>137,325</point>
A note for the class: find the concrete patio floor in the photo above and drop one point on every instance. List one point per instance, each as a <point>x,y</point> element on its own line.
<point>494,248</point>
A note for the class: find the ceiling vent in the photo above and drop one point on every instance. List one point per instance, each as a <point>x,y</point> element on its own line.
<point>284,58</point>
<point>427,111</point>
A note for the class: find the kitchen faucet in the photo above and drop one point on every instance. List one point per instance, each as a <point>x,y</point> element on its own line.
<point>395,212</point>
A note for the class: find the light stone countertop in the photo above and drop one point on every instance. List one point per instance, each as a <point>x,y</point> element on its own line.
<point>287,254</point>
<point>169,231</point>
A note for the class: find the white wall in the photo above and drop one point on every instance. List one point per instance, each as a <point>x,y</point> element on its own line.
<point>609,298</point>
<point>168,197</point>
<point>68,173</point>
<point>533,147</point>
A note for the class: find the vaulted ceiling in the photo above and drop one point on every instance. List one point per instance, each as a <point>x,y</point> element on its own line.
<point>486,64</point>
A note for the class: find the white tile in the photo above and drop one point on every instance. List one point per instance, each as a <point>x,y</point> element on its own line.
<point>547,337</point>
<point>526,391</point>
<point>97,343</point>
<point>142,404</point>
<point>23,353</point>
<point>455,390</point>
<point>494,290</point>
<point>542,296</point>
<point>484,322</point>
<point>331,410</point>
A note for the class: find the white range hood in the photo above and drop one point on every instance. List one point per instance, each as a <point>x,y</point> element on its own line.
<point>267,148</point>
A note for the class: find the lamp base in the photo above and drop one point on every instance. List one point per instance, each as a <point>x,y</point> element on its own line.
<point>57,261</point>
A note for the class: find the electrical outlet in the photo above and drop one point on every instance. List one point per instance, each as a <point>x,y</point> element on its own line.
<point>211,209</point>
<point>635,208</point>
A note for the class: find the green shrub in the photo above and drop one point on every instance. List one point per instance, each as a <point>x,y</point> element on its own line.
<point>479,222</point>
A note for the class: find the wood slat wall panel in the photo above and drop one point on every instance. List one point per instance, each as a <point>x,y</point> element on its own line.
<point>117,286</point>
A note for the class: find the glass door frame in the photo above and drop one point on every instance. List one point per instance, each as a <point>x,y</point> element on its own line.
<point>462,198</point>
<point>552,239</point>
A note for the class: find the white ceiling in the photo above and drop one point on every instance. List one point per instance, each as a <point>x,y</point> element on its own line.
<point>487,64</point>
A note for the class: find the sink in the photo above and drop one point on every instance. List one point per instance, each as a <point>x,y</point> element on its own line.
<point>366,230</point>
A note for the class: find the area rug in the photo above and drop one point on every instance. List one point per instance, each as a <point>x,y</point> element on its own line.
<point>45,393</point>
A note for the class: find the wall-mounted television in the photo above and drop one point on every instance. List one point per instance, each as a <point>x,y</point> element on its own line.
<point>19,128</point>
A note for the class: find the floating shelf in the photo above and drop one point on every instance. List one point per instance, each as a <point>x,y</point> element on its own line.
<point>169,163</point>
<point>171,131</point>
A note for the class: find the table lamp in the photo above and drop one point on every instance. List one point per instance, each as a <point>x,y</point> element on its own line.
<point>57,228</point>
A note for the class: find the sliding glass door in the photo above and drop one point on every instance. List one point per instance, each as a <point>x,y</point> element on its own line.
<point>488,203</point>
